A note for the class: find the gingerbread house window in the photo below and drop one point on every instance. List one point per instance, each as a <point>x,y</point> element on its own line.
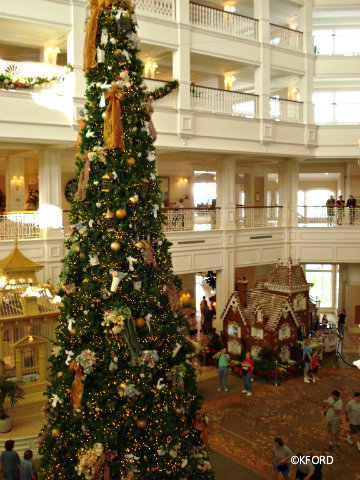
<point>234,330</point>
<point>234,347</point>
<point>258,314</point>
<point>285,354</point>
<point>257,332</point>
<point>255,352</point>
<point>299,303</point>
<point>284,331</point>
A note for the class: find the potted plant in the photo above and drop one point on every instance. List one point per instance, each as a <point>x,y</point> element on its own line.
<point>32,198</point>
<point>10,394</point>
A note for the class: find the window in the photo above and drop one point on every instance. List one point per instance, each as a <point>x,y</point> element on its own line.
<point>337,42</point>
<point>257,332</point>
<point>285,354</point>
<point>299,303</point>
<point>321,275</point>
<point>255,352</point>
<point>234,330</point>
<point>336,107</point>
<point>284,331</point>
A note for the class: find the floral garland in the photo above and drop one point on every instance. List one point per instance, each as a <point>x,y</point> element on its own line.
<point>16,82</point>
<point>162,91</point>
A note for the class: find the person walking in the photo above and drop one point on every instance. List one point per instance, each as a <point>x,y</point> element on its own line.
<point>247,373</point>
<point>10,462</point>
<point>27,468</point>
<point>341,323</point>
<point>333,405</point>
<point>351,204</point>
<point>352,414</point>
<point>281,459</point>
<point>223,364</point>
<point>340,206</point>
<point>330,203</point>
<point>307,358</point>
<point>192,325</point>
<point>203,307</point>
<point>314,366</point>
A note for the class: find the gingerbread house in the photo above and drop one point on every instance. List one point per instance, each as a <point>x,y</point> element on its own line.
<point>271,315</point>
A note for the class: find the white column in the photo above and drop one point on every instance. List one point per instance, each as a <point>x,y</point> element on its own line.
<point>75,45</point>
<point>288,191</point>
<point>262,73</point>
<point>347,178</point>
<point>15,184</point>
<point>225,181</point>
<point>225,285</point>
<point>50,192</point>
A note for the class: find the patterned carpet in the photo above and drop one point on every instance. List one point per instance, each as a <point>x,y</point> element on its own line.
<point>243,428</point>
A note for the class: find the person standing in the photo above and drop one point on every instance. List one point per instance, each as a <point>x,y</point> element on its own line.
<point>203,307</point>
<point>281,459</point>
<point>10,462</point>
<point>306,470</point>
<point>314,366</point>
<point>330,203</point>
<point>340,205</point>
<point>341,323</point>
<point>27,468</point>
<point>307,359</point>
<point>192,325</point>
<point>333,405</point>
<point>351,204</point>
<point>352,414</point>
<point>223,364</point>
<point>247,372</point>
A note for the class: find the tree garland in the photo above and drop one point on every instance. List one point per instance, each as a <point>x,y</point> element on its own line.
<point>162,91</point>
<point>16,82</point>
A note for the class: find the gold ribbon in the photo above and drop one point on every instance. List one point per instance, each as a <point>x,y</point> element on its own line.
<point>103,463</point>
<point>113,127</point>
<point>91,30</point>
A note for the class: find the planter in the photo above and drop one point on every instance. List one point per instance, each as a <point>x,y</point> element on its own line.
<point>5,424</point>
<point>31,205</point>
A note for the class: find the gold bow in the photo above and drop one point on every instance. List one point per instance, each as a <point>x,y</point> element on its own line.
<point>91,30</point>
<point>113,127</point>
<point>103,463</point>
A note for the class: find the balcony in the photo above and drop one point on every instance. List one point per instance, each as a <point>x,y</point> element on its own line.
<point>195,219</point>
<point>320,216</point>
<point>286,37</point>
<point>156,8</point>
<point>223,22</point>
<point>282,110</point>
<point>20,225</point>
<point>258,217</point>
<point>226,102</point>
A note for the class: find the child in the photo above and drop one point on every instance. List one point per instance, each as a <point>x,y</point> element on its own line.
<point>314,365</point>
<point>10,462</point>
<point>27,469</point>
<point>193,324</point>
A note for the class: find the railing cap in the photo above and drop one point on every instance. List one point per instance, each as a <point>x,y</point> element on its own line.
<point>286,28</point>
<point>223,90</point>
<point>223,11</point>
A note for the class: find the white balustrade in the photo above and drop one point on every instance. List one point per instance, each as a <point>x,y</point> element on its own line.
<point>20,225</point>
<point>183,219</point>
<point>322,216</point>
<point>227,102</point>
<point>225,22</point>
<point>258,217</point>
<point>286,110</point>
<point>286,37</point>
<point>169,100</point>
<point>156,8</point>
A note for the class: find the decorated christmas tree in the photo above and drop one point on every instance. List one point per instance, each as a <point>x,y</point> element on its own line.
<point>122,397</point>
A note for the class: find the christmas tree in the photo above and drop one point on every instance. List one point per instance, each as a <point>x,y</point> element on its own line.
<point>122,396</point>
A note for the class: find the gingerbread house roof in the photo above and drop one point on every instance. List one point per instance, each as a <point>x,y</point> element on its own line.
<point>289,277</point>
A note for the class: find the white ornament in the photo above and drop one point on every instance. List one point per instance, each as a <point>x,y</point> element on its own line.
<point>71,322</point>
<point>156,210</point>
<point>104,37</point>
<point>131,261</point>
<point>55,400</point>
<point>100,55</point>
<point>161,452</point>
<point>160,385</point>
<point>151,156</point>
<point>117,277</point>
<point>152,176</point>
<point>113,40</point>
<point>94,259</point>
<point>89,134</point>
<point>105,86</point>
<point>91,223</point>
<point>148,320</point>
<point>102,103</point>
<point>98,204</point>
<point>176,349</point>
<point>69,354</point>
<point>184,463</point>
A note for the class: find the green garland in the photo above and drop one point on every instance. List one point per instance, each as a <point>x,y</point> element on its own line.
<point>16,82</point>
<point>162,91</point>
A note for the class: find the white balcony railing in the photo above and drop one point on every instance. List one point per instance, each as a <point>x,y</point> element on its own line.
<point>286,37</point>
<point>182,219</point>
<point>286,110</point>
<point>156,8</point>
<point>20,225</point>
<point>227,102</point>
<point>169,100</point>
<point>321,216</point>
<point>225,22</point>
<point>256,217</point>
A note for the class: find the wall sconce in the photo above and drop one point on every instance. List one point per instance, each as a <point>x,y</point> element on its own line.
<point>150,69</point>
<point>276,180</point>
<point>50,55</point>
<point>293,26</point>
<point>294,90</point>
<point>17,182</point>
<point>229,82</point>
<point>229,8</point>
<point>183,181</point>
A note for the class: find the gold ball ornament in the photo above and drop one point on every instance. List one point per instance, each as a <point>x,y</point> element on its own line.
<point>141,424</point>
<point>73,331</point>
<point>104,115</point>
<point>59,374</point>
<point>131,161</point>
<point>115,246</point>
<point>120,213</point>
<point>133,200</point>
<point>140,322</point>
<point>55,432</point>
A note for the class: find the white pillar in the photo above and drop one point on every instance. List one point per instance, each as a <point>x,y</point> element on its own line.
<point>347,178</point>
<point>15,184</point>
<point>225,286</point>
<point>225,181</point>
<point>50,192</point>
<point>288,191</point>
<point>262,73</point>
<point>181,56</point>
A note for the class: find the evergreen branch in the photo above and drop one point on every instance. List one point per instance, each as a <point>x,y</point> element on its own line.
<point>162,91</point>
